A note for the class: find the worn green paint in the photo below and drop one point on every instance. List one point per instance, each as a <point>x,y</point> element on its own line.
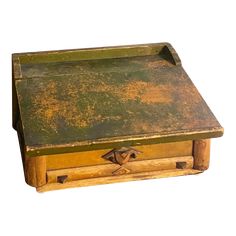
<point>97,53</point>
<point>83,104</point>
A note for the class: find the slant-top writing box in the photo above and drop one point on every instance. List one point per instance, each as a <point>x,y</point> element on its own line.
<point>103,115</point>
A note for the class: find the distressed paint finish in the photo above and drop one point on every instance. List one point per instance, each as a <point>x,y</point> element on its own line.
<point>66,102</point>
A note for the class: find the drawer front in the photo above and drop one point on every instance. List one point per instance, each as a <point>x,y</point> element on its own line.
<point>91,158</point>
<point>79,173</point>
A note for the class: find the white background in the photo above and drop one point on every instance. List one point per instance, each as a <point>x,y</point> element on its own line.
<point>203,34</point>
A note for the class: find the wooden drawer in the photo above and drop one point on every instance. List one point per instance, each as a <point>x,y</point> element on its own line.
<point>73,174</point>
<point>91,158</point>
<point>64,168</point>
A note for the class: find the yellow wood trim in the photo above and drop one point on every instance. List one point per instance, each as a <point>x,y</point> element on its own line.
<point>35,171</point>
<point>88,158</point>
<point>201,153</point>
<point>114,169</point>
<point>113,179</point>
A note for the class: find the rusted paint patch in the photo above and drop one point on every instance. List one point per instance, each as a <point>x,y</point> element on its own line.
<point>158,64</point>
<point>142,91</point>
<point>73,103</point>
<point>147,93</point>
<point>48,107</point>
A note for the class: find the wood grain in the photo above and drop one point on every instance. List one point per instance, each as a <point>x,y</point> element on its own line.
<point>76,159</point>
<point>35,171</point>
<point>201,153</point>
<point>114,179</point>
<point>40,163</point>
<point>30,171</point>
<point>109,169</point>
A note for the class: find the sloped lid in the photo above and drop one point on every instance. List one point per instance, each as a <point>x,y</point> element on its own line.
<point>108,97</point>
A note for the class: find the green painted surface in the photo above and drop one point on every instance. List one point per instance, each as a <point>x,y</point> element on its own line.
<point>63,103</point>
<point>91,53</point>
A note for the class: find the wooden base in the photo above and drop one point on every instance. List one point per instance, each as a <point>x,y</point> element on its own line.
<point>135,167</point>
<point>88,168</point>
<point>114,179</point>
